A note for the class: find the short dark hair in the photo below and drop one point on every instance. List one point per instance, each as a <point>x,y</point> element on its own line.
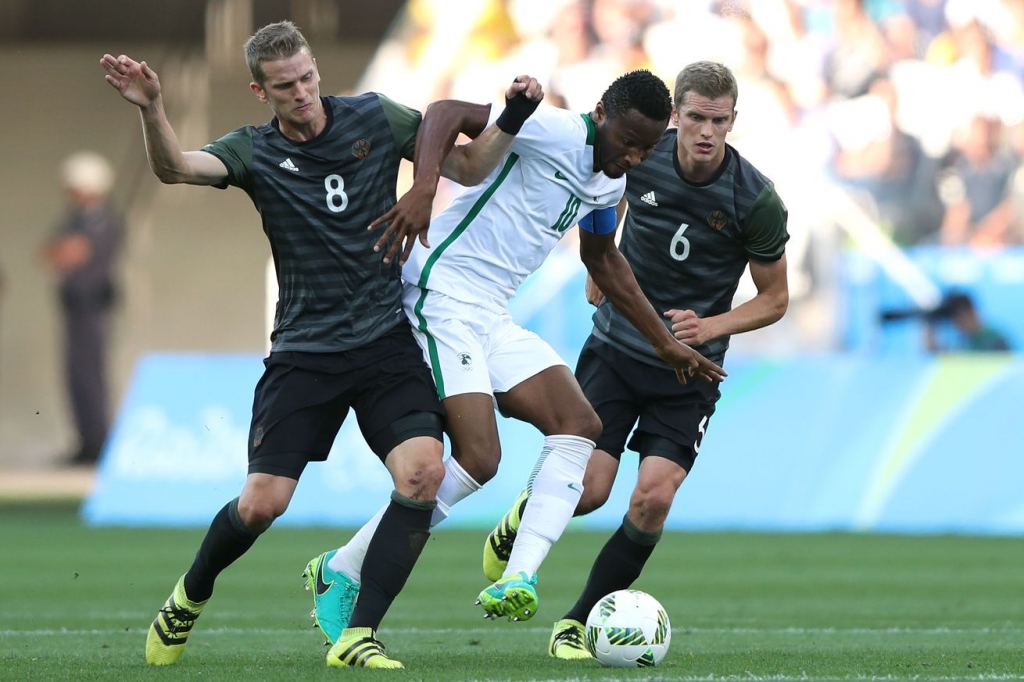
<point>640,90</point>
<point>709,79</point>
<point>273,42</point>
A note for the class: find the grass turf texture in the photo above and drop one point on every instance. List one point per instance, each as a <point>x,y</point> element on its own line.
<point>75,603</point>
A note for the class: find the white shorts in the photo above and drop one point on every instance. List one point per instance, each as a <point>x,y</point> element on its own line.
<point>470,349</point>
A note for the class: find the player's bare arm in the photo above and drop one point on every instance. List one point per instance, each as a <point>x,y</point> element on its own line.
<point>592,291</point>
<point>409,218</point>
<point>767,307</point>
<point>469,164</point>
<point>436,155</point>
<point>613,276</point>
<point>137,83</point>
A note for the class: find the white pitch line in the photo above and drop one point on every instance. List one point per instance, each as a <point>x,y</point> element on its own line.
<point>491,630</point>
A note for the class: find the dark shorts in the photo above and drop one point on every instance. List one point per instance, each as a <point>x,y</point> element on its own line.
<point>670,418</point>
<point>303,398</point>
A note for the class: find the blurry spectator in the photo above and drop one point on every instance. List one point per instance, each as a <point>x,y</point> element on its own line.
<point>976,192</point>
<point>82,254</point>
<point>858,53</point>
<point>891,167</point>
<point>968,332</point>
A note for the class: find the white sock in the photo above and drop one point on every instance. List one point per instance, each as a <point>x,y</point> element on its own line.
<point>555,488</point>
<point>456,486</point>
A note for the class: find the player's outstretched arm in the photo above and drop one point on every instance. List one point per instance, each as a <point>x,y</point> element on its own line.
<point>468,164</point>
<point>139,84</point>
<point>613,276</point>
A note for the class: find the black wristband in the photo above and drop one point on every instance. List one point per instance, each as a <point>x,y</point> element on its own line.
<point>517,110</point>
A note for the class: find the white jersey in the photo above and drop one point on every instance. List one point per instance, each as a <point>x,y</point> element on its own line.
<point>494,235</point>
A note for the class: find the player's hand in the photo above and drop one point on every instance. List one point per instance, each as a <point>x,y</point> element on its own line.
<point>688,328</point>
<point>594,294</point>
<point>407,220</point>
<point>135,81</point>
<point>689,363</point>
<point>527,85</point>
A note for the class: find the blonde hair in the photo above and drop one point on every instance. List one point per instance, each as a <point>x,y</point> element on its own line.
<point>709,79</point>
<point>272,43</point>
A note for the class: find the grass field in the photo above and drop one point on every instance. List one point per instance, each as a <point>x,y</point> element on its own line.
<point>75,603</point>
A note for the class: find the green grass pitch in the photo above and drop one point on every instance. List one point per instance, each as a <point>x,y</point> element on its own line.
<point>75,603</point>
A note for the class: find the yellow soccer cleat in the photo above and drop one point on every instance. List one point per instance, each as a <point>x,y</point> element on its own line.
<point>359,648</point>
<point>567,641</point>
<point>498,545</point>
<point>169,632</point>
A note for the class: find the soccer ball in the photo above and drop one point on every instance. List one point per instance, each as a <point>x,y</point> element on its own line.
<point>628,629</point>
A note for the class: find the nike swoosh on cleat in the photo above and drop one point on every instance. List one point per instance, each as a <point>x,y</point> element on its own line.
<point>321,586</point>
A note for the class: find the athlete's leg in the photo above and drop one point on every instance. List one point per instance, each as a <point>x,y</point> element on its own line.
<point>402,532</point>
<point>623,557</point>
<point>404,527</point>
<point>235,528</point>
<point>554,403</point>
<point>233,531</point>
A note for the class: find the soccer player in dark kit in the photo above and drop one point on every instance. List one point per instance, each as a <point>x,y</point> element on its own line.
<point>319,173</point>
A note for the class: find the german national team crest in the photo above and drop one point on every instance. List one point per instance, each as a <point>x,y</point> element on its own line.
<point>361,149</point>
<point>717,220</point>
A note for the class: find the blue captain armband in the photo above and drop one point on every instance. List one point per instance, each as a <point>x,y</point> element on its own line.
<point>601,221</point>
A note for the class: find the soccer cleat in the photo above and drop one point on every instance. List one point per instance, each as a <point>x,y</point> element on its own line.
<point>169,632</point>
<point>334,596</point>
<point>359,648</point>
<point>513,597</point>
<point>567,641</point>
<point>498,545</point>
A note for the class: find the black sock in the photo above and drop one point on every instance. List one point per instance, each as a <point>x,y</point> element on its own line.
<point>390,557</point>
<point>616,567</point>
<point>227,539</point>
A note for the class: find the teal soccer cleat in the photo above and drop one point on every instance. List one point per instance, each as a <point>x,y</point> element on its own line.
<point>513,597</point>
<point>334,596</point>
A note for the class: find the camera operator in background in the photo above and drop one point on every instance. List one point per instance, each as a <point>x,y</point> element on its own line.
<point>969,331</point>
<point>954,326</point>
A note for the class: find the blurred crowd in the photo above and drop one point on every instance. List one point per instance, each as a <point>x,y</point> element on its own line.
<point>914,107</point>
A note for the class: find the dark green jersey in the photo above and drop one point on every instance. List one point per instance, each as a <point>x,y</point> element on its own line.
<point>315,199</point>
<point>689,244</point>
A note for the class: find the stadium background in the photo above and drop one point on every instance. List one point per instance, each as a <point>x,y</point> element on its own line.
<point>830,420</point>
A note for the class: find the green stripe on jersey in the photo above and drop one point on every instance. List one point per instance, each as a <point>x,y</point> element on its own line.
<point>473,213</point>
<point>591,129</point>
<point>435,361</point>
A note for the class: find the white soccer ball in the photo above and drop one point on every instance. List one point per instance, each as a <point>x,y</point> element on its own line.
<point>628,629</point>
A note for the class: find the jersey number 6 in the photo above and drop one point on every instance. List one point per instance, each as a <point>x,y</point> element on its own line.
<point>679,242</point>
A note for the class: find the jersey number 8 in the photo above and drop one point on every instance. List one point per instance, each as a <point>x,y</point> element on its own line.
<point>337,200</point>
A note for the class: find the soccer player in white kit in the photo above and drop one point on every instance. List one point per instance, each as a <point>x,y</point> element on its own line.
<point>563,168</point>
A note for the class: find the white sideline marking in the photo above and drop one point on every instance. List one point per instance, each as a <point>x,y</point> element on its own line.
<point>491,630</point>
<point>750,677</point>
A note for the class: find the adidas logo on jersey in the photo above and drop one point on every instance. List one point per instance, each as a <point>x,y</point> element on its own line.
<point>649,199</point>
<point>288,165</point>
